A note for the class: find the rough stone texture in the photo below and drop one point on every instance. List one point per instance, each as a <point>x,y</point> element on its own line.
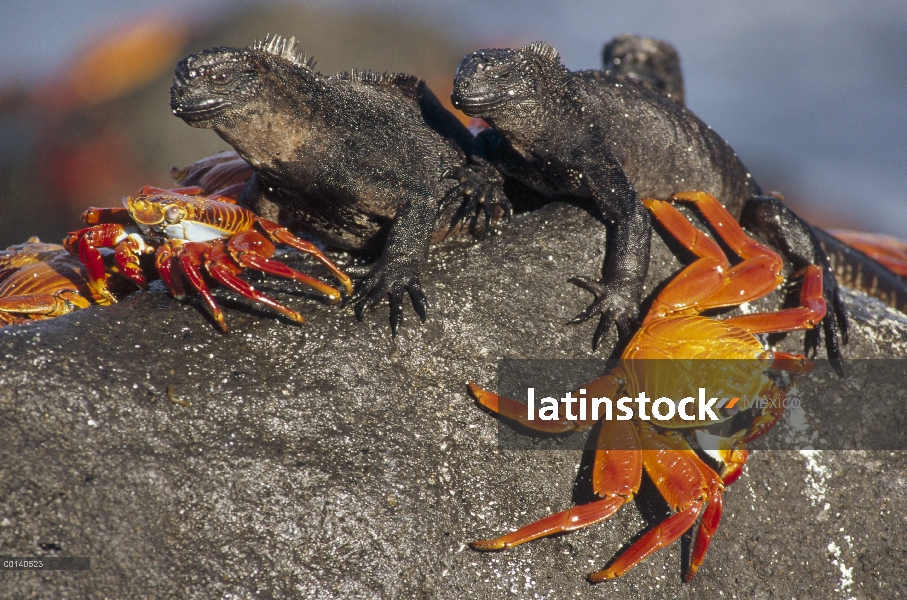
<point>332,461</point>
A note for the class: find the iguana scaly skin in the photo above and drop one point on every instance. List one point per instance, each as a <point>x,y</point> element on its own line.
<point>592,134</point>
<point>367,162</point>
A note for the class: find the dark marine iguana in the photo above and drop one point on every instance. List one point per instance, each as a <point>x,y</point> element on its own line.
<point>647,61</point>
<point>367,162</point>
<point>597,135</point>
<point>655,63</point>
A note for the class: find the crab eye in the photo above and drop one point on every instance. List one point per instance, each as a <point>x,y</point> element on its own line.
<point>172,214</point>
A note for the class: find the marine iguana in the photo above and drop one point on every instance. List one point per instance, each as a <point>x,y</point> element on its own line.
<point>365,161</point>
<point>656,64</point>
<point>646,61</point>
<point>593,134</point>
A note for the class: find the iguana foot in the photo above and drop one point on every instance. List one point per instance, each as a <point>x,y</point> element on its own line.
<point>615,301</point>
<point>480,184</point>
<point>389,280</point>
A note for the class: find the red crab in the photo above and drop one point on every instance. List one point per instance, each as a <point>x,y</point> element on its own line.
<point>192,235</point>
<point>674,329</point>
<point>41,281</point>
<point>889,251</point>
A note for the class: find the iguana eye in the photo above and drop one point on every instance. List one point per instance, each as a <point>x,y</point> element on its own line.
<point>219,78</point>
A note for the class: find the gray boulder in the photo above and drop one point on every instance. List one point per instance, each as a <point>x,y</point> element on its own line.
<point>332,461</point>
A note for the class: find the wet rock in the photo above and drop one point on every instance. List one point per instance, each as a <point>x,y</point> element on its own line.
<point>332,461</point>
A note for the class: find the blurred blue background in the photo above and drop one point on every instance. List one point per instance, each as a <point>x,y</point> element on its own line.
<point>812,95</point>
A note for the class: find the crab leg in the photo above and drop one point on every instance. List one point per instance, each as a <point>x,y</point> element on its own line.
<point>85,243</point>
<point>126,255</point>
<point>603,387</point>
<point>617,474</point>
<point>165,260</point>
<point>810,312</point>
<point>517,411</point>
<point>177,259</point>
<point>253,250</point>
<point>687,484</point>
<point>282,235</point>
<point>727,227</point>
<point>97,216</point>
<point>217,266</point>
<point>189,258</point>
<point>711,282</point>
<point>44,305</point>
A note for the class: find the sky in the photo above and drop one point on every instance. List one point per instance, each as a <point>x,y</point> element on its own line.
<point>812,95</point>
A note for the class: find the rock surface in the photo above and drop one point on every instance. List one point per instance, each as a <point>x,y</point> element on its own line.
<point>332,461</point>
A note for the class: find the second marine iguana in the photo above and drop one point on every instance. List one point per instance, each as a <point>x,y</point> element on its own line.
<point>655,63</point>
<point>646,61</point>
<point>597,135</point>
<point>367,162</point>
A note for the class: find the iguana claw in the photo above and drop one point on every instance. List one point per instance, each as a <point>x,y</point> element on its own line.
<point>614,305</point>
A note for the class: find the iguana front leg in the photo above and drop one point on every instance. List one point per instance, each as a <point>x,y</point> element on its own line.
<point>478,184</point>
<point>401,262</point>
<point>254,198</point>
<point>619,292</point>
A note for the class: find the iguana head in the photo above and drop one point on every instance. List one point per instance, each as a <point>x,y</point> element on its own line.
<point>649,61</point>
<point>214,87</point>
<point>492,84</point>
<point>209,87</point>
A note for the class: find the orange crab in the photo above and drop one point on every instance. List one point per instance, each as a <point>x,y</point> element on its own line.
<point>190,234</point>
<point>888,250</point>
<point>41,281</point>
<point>674,329</point>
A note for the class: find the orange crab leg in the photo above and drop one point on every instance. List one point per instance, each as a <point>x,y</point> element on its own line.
<point>126,256</point>
<point>165,259</point>
<point>710,282</point>
<point>253,250</point>
<point>770,416</point>
<point>619,471</point>
<point>707,528</point>
<point>85,243</point>
<point>282,235</point>
<point>727,228</point>
<point>603,387</point>
<point>97,216</point>
<point>45,305</point>
<point>686,483</point>
<point>518,411</point>
<point>807,315</point>
<point>571,519</point>
<point>663,534</point>
<point>189,257</point>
